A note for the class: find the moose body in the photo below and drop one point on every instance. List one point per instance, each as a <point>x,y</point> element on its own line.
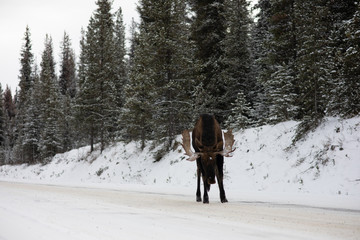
<point>207,141</point>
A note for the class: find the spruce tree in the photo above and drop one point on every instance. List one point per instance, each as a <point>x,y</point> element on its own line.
<point>282,87</point>
<point>237,72</point>
<point>97,97</point>
<point>208,32</point>
<point>344,92</point>
<point>350,90</point>
<point>50,141</point>
<point>67,85</point>
<point>313,58</point>
<point>2,129</point>
<point>87,97</point>
<point>201,99</point>
<point>67,77</point>
<point>33,126</point>
<point>144,74</point>
<point>240,118</point>
<point>80,121</point>
<point>157,95</point>
<point>172,83</point>
<point>181,111</point>
<point>281,93</point>
<point>134,42</point>
<point>119,58</point>
<point>137,107</point>
<point>9,126</point>
<point>21,153</point>
<point>260,35</point>
<point>121,71</point>
<point>26,61</point>
<point>137,111</point>
<point>82,64</point>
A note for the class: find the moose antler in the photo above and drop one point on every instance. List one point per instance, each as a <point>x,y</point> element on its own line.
<point>229,142</point>
<point>186,145</point>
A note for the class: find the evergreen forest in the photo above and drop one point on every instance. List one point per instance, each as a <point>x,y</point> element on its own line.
<point>295,60</point>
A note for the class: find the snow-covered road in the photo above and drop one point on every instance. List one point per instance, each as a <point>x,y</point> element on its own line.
<point>31,211</point>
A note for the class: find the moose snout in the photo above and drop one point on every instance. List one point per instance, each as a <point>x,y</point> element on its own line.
<point>211,180</point>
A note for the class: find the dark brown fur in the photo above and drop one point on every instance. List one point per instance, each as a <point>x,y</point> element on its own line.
<point>207,139</point>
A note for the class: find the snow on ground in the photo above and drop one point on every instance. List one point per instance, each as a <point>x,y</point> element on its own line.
<point>321,170</point>
<point>307,191</point>
<point>35,212</point>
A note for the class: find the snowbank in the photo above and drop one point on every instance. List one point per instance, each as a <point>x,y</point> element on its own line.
<point>326,163</point>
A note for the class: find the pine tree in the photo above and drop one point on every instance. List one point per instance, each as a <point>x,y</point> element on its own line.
<point>2,129</point>
<point>9,125</point>
<point>32,127</point>
<point>345,53</point>
<point>50,141</point>
<point>351,72</point>
<point>67,78</point>
<point>67,84</point>
<point>208,32</point>
<point>312,58</point>
<point>82,64</point>
<point>157,98</point>
<point>80,121</point>
<point>137,108</point>
<point>134,42</point>
<point>22,101</point>
<point>260,35</point>
<point>87,96</point>
<point>275,47</point>
<point>97,97</point>
<point>137,111</point>
<point>281,94</point>
<point>120,61</point>
<point>172,83</point>
<point>201,100</point>
<point>121,71</point>
<point>26,60</point>
<point>182,67</point>
<point>237,72</point>
<point>140,92</point>
<point>240,118</point>
<point>281,87</point>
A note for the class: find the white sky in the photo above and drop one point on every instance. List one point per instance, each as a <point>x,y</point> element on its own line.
<point>51,17</point>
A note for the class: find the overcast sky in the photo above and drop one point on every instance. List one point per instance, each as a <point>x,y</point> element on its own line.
<point>43,17</point>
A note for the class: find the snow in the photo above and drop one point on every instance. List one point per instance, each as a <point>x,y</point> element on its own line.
<point>325,163</point>
<point>321,171</point>
<point>29,211</point>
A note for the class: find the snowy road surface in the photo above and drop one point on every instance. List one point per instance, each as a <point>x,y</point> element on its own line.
<point>30,211</point>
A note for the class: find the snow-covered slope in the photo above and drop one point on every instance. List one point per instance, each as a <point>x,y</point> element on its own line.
<point>326,162</point>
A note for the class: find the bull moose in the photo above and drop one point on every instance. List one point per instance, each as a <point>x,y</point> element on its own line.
<point>208,144</point>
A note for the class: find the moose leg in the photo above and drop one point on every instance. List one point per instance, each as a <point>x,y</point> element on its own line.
<point>198,191</point>
<point>222,191</point>
<point>219,176</point>
<point>206,189</point>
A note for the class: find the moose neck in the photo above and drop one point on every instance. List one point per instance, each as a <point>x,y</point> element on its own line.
<point>208,133</point>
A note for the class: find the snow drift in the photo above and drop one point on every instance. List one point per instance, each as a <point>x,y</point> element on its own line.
<point>326,162</point>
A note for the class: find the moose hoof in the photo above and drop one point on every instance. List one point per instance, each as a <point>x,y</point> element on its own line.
<point>206,200</point>
<point>198,199</point>
<point>224,200</point>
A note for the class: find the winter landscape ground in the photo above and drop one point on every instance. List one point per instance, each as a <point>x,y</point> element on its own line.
<point>276,190</point>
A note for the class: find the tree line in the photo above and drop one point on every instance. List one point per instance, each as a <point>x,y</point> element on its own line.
<point>295,61</point>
